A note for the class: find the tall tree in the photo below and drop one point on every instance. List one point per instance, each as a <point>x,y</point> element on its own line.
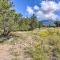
<point>34,22</point>
<point>40,24</point>
<point>24,24</point>
<point>57,23</point>
<point>6,15</point>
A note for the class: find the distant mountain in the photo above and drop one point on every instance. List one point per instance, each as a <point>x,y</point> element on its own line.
<point>48,22</point>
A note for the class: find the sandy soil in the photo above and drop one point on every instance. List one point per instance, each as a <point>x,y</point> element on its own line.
<point>7,50</point>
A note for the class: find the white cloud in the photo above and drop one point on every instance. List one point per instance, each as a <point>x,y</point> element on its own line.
<point>29,10</point>
<point>50,5</point>
<point>40,15</point>
<point>46,10</point>
<point>36,7</point>
<point>43,16</point>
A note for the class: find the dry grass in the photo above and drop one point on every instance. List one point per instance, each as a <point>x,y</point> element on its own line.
<point>17,47</point>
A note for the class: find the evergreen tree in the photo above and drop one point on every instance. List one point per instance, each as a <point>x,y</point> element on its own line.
<point>5,16</point>
<point>34,22</point>
<point>57,23</point>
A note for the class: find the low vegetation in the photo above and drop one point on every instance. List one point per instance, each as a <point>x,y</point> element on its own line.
<point>46,46</point>
<point>35,45</point>
<point>27,38</point>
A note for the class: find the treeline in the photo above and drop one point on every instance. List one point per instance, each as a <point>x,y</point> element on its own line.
<point>57,23</point>
<point>12,21</point>
<point>27,24</point>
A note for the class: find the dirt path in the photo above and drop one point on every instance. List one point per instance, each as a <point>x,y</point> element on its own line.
<point>4,52</point>
<point>17,51</point>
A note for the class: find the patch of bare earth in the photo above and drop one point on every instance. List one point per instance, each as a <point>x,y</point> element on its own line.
<point>16,52</point>
<point>4,52</point>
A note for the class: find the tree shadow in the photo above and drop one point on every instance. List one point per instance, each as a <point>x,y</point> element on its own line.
<point>4,38</point>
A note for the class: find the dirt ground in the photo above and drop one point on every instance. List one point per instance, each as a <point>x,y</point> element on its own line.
<point>16,51</point>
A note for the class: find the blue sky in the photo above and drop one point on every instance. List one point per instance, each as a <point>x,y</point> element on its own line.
<point>42,9</point>
<point>21,5</point>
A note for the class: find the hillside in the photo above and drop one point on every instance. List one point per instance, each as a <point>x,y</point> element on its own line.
<point>48,22</point>
<point>43,44</point>
<point>29,30</point>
